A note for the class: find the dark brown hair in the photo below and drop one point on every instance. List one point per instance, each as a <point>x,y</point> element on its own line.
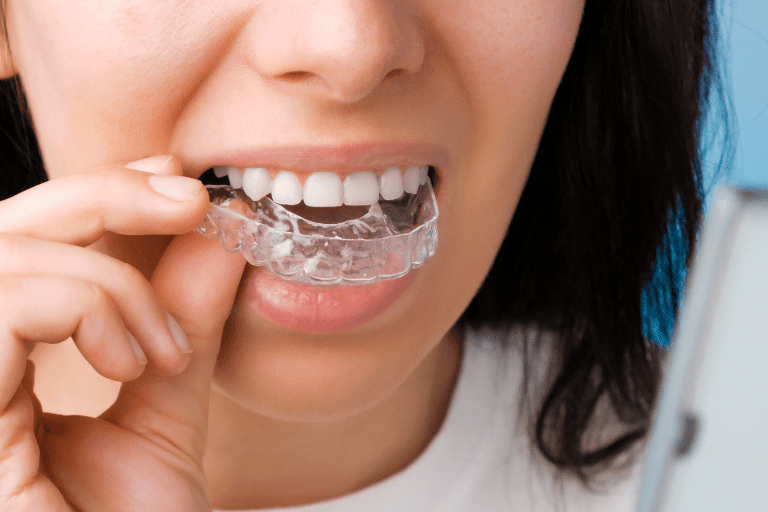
<point>605,226</point>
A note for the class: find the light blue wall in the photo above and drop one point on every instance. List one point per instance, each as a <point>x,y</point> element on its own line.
<point>744,59</point>
<point>746,22</point>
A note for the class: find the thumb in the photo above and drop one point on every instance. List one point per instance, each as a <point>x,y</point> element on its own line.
<point>196,280</point>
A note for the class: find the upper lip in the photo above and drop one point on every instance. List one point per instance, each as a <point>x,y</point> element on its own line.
<point>342,158</point>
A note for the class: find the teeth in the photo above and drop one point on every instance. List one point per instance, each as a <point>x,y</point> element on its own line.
<point>235,178</point>
<point>423,174</point>
<point>286,188</point>
<point>257,182</point>
<point>221,171</point>
<point>323,189</point>
<point>361,188</point>
<point>391,184</point>
<point>411,180</point>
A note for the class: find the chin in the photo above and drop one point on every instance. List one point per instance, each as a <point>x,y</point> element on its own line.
<point>295,376</point>
<point>283,373</point>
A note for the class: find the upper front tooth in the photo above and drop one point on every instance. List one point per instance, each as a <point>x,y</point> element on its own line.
<point>361,188</point>
<point>323,189</point>
<point>411,180</point>
<point>257,182</point>
<point>235,178</point>
<point>286,188</point>
<point>391,184</point>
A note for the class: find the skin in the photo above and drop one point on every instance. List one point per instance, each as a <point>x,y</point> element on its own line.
<point>256,415</point>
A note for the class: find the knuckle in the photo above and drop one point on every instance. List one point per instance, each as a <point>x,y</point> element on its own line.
<point>10,246</point>
<point>95,191</point>
<point>128,274</point>
<point>7,293</point>
<point>95,183</point>
<point>95,311</point>
<point>96,295</point>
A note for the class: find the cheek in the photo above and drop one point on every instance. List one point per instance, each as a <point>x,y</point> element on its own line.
<point>124,66</point>
<point>509,40</point>
<point>101,48</point>
<point>510,58</point>
<point>509,55</point>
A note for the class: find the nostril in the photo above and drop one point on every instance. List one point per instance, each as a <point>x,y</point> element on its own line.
<point>394,73</point>
<point>296,76</point>
<point>338,50</point>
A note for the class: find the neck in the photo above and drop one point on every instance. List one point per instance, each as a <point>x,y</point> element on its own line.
<point>258,462</point>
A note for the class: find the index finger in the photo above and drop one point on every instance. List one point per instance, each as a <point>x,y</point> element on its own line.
<point>196,280</point>
<point>79,209</point>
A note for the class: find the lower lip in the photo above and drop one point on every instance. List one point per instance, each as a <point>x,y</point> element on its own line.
<point>321,309</point>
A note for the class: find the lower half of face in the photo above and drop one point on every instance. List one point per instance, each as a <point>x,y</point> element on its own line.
<point>251,84</point>
<point>303,351</point>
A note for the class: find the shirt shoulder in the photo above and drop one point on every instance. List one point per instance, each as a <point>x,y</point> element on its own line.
<point>509,473</point>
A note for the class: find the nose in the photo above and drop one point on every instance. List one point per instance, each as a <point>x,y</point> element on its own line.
<point>342,49</point>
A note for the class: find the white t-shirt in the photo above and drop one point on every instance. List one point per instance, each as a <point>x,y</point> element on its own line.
<point>481,459</point>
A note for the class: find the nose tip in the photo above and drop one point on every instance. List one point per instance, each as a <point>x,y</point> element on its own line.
<point>343,49</point>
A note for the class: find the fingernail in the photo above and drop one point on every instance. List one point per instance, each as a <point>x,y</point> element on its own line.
<point>178,188</point>
<point>153,164</point>
<point>141,357</point>
<point>178,336</point>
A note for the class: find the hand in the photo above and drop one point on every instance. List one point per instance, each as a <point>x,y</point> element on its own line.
<point>145,452</point>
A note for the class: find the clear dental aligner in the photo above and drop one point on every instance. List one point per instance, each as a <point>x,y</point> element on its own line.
<point>394,236</point>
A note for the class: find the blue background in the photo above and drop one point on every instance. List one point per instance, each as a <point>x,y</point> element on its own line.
<point>744,26</point>
<point>738,157</point>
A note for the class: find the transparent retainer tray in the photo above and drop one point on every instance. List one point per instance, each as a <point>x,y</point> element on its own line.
<point>386,243</point>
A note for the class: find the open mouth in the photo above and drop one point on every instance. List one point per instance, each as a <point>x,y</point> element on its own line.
<point>382,238</point>
<point>324,197</point>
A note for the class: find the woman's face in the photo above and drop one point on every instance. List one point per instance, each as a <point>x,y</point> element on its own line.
<point>332,85</point>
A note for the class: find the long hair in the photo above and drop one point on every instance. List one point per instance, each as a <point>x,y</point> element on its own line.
<point>20,161</point>
<point>608,219</point>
